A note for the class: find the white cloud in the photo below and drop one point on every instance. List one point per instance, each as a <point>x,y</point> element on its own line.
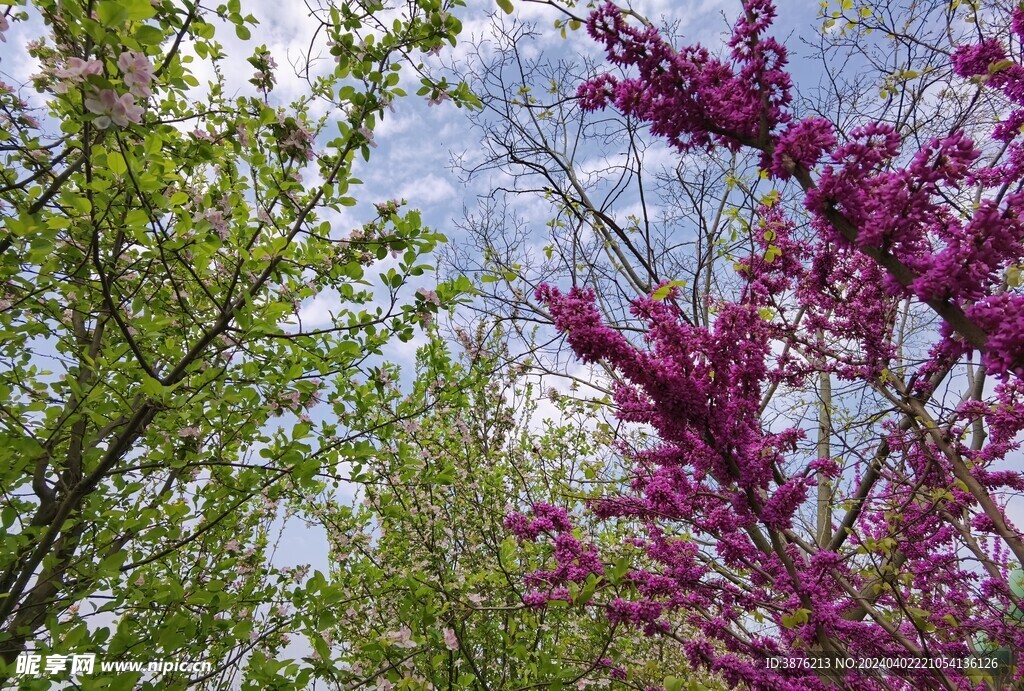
<point>427,190</point>
<point>317,313</point>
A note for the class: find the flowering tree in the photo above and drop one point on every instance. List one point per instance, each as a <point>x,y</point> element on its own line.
<point>885,262</point>
<point>436,581</point>
<point>158,392</point>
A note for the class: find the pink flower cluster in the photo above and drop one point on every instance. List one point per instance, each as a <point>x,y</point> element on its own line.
<point>76,70</point>
<point>136,72</point>
<point>111,107</point>
<point>298,142</point>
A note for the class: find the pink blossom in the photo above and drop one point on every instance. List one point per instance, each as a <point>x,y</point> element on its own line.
<point>402,638</point>
<point>77,69</point>
<point>189,433</point>
<point>113,109</point>
<point>428,296</point>
<point>450,641</point>
<point>974,60</point>
<point>802,144</point>
<point>137,72</point>
<point>440,98</point>
<point>367,135</point>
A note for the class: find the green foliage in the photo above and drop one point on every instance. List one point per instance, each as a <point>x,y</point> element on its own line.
<point>163,415</point>
<point>435,579</point>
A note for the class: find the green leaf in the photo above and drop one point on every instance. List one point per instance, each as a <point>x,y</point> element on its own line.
<point>150,386</point>
<point>148,35</point>
<point>662,292</point>
<point>1013,277</point>
<point>116,163</point>
<point>798,618</point>
<point>203,30</point>
<point>587,593</point>
<point>116,12</point>
<point>999,66</point>
<point>112,13</point>
<point>139,9</point>
<point>505,5</point>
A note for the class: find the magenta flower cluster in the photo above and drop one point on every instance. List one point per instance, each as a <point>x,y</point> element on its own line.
<point>690,97</point>
<point>718,499</point>
<point>576,560</point>
<point>716,471</point>
<point>899,216</point>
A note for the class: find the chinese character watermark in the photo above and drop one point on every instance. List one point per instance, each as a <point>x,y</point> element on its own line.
<point>80,664</point>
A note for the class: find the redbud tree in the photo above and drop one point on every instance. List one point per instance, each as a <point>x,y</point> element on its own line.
<point>882,261</point>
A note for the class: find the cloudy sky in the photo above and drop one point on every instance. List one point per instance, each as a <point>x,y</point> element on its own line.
<point>417,142</point>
